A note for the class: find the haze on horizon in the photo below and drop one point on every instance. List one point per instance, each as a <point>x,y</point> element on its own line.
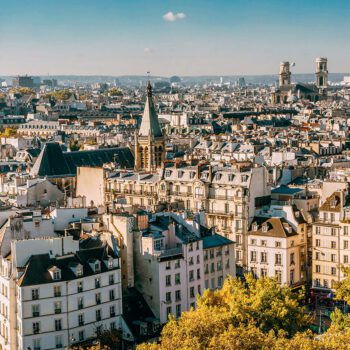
<point>167,37</point>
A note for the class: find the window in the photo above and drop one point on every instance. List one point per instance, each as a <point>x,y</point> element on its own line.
<point>219,266</point>
<point>318,243</point>
<point>97,267</point>
<point>220,281</point>
<point>111,279</point>
<point>36,310</point>
<point>81,335</point>
<point>57,275</point>
<point>346,259</point>
<point>346,230</point>
<point>333,244</point>
<point>263,257</point>
<point>168,265</point>
<point>253,256</point>
<point>178,295</point>
<point>192,292</point>
<point>59,341</point>
<point>80,287</point>
<point>278,244</point>
<point>97,283</point>
<point>158,244</point>
<point>110,263</point>
<point>318,268</point>
<point>112,326</point>
<point>79,270</point>
<point>190,247</point>
<point>112,311</point>
<point>346,244</point>
<point>81,320</point>
<point>263,272</point>
<point>57,291</point>
<point>292,262</point>
<point>291,276</point>
<point>334,271</point>
<point>191,278</point>
<point>278,275</point>
<point>98,315</point>
<point>177,278</point>
<point>80,303</point>
<point>177,264</point>
<point>253,241</point>
<point>178,310</point>
<point>168,297</point>
<point>190,261</point>
<point>168,311</point>
<point>35,294</point>
<point>36,327</point>
<point>98,298</point>
<point>333,257</point>
<point>36,344</point>
<point>199,274</point>
<point>58,307</point>
<point>168,280</point>
<point>263,242</point>
<point>111,295</point>
<point>333,231</point>
<point>278,259</point>
<point>58,325</point>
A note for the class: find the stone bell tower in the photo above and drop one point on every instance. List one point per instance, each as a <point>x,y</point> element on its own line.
<point>149,140</point>
<point>285,74</point>
<point>321,73</point>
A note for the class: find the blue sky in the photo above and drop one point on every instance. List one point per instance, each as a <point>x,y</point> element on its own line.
<point>166,37</point>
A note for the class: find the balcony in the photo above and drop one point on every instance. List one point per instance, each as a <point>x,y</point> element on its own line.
<point>166,253</point>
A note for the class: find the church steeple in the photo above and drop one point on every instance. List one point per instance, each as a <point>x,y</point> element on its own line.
<point>149,141</point>
<point>150,123</point>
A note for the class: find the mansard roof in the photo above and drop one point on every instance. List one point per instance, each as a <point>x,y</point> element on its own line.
<point>52,161</point>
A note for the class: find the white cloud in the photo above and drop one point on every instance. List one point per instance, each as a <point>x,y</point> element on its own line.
<point>172,17</point>
<point>147,50</point>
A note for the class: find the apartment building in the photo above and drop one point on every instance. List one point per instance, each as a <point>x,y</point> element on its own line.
<point>276,248</point>
<point>56,294</point>
<point>330,240</point>
<point>170,258</point>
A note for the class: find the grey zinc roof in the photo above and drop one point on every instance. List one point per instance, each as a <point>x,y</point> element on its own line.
<point>53,162</point>
<point>215,241</point>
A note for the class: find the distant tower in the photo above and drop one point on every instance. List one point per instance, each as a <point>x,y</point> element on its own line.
<point>321,73</point>
<point>149,141</point>
<point>284,78</point>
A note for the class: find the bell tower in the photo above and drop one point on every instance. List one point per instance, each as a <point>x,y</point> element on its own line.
<point>321,73</point>
<point>149,140</point>
<point>285,74</point>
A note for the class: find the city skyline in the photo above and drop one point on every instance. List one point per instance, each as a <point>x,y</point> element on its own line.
<point>171,37</point>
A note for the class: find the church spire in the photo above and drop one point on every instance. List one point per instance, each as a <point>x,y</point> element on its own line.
<point>150,123</point>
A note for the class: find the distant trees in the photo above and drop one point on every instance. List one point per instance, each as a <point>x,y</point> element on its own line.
<point>22,91</point>
<point>9,132</point>
<point>59,95</point>
<point>250,315</point>
<point>115,92</point>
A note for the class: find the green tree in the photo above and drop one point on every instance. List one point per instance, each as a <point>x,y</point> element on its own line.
<point>115,92</point>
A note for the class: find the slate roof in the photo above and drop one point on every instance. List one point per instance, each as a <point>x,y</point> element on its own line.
<point>37,267</point>
<point>286,190</point>
<point>52,161</point>
<point>276,227</point>
<point>215,241</point>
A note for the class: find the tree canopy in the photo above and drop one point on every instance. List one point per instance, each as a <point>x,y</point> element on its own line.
<point>249,315</point>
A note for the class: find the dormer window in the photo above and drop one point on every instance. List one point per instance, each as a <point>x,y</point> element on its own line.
<point>255,227</point>
<point>79,271</point>
<point>180,174</point>
<point>97,267</point>
<point>192,175</point>
<point>218,176</point>
<point>333,203</point>
<point>110,263</point>
<point>231,177</point>
<point>265,228</point>
<point>57,275</point>
<point>168,173</point>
